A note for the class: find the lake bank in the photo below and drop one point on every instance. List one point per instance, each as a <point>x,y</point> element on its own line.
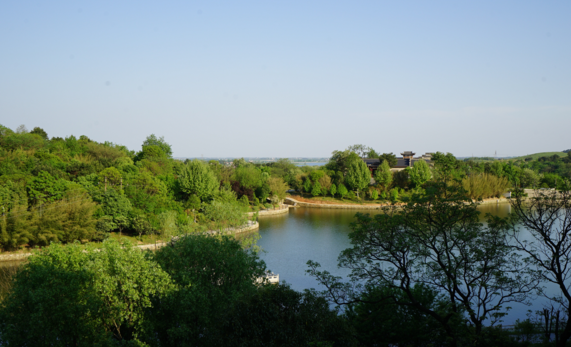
<point>21,256</point>
<point>296,202</point>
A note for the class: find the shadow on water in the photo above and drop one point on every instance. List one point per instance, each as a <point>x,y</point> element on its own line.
<point>289,241</point>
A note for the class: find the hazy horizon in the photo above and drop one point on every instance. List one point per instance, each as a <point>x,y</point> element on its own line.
<point>295,79</point>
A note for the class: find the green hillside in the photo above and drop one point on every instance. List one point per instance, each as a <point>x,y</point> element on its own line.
<point>542,154</point>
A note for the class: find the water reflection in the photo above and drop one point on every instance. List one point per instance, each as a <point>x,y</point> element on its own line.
<point>289,241</point>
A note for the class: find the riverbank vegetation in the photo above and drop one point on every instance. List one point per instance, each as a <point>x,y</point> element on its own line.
<point>344,178</point>
<point>76,189</point>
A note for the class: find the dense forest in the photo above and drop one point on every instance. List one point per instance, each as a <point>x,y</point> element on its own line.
<point>66,189</point>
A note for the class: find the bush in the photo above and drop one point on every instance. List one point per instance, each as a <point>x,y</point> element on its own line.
<point>316,190</point>
<point>342,190</point>
<point>78,296</point>
<point>484,185</point>
<point>333,190</point>
<point>374,194</point>
<point>351,195</point>
<point>394,194</point>
<point>244,200</point>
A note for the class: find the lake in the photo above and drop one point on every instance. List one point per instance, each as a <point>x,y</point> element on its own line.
<point>290,240</point>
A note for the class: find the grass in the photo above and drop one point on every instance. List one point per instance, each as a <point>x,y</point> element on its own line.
<point>536,156</point>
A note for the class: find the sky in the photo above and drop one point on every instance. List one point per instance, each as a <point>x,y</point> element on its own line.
<point>292,78</point>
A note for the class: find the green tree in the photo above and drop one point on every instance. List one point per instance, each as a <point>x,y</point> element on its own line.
<point>497,169</point>
<point>372,154</point>
<point>250,177</point>
<point>197,178</point>
<point>263,191</point>
<point>115,204</point>
<point>341,160</point>
<point>41,132</point>
<point>45,188</point>
<point>152,140</point>
<point>70,219</point>
<point>546,217</point>
<point>550,180</point>
<point>74,295</point>
<point>374,194</point>
<point>383,175</point>
<point>110,177</point>
<point>436,241</point>
<point>278,189</point>
<point>307,185</point>
<point>316,189</point>
<point>212,273</point>
<point>276,315</point>
<point>420,173</point>
<point>381,317</point>
<point>342,190</point>
<point>360,150</point>
<point>325,182</point>
<point>529,179</point>
<point>16,228</point>
<point>446,167</point>
<point>151,153</point>
<point>358,176</point>
<point>166,223</point>
<point>394,194</point>
<point>390,158</point>
<point>316,175</point>
<point>333,190</point>
<point>141,225</point>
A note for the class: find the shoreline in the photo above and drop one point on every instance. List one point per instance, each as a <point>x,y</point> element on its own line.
<point>284,208</point>
<point>297,203</point>
<point>16,257</point>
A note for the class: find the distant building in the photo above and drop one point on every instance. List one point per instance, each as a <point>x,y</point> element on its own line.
<point>407,160</point>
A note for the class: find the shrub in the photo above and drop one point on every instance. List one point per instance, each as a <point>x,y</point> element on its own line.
<point>342,190</point>
<point>244,200</point>
<point>374,194</point>
<point>394,193</point>
<point>316,190</point>
<point>484,185</point>
<point>333,190</point>
<point>351,195</point>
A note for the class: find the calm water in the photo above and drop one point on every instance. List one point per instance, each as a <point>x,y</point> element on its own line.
<point>289,241</point>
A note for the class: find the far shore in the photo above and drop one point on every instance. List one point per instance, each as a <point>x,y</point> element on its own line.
<point>314,203</point>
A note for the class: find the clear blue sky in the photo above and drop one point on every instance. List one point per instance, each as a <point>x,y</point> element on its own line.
<point>292,78</point>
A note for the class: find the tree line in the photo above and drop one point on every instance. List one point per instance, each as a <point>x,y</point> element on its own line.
<point>67,189</point>
<point>346,176</point>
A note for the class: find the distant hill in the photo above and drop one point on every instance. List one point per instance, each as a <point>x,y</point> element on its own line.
<point>542,154</point>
